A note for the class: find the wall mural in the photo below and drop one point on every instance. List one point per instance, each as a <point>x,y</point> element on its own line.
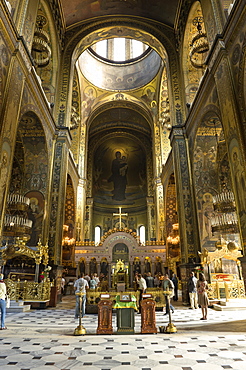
<point>34,142</point>
<point>206,177</point>
<point>36,214</point>
<point>4,65</point>
<point>119,172</point>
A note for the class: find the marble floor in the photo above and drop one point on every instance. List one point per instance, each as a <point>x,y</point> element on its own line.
<point>44,339</point>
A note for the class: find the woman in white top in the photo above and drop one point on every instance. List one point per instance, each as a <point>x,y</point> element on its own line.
<point>2,302</point>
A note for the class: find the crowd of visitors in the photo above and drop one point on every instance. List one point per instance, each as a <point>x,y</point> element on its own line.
<point>196,289</point>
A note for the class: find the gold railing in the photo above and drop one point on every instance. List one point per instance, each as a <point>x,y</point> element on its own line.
<point>226,290</point>
<point>93,296</point>
<point>28,290</point>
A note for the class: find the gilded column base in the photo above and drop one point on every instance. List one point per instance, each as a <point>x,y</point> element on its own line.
<point>80,330</point>
<point>171,328</point>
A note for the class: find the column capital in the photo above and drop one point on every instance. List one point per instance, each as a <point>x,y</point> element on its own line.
<point>63,135</point>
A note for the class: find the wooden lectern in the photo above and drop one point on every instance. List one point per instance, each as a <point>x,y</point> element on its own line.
<point>105,316</point>
<point>148,322</point>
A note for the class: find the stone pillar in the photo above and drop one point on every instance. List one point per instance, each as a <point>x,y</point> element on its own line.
<point>58,194</point>
<point>109,275</point>
<point>110,49</point>
<point>88,232</point>
<point>25,19</point>
<point>128,49</point>
<point>130,274</point>
<point>10,111</point>
<point>233,131</point>
<point>159,209</point>
<point>187,217</point>
<point>151,218</point>
<point>80,214</point>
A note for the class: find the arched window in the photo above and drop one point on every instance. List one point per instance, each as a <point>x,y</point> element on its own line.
<point>97,235</point>
<point>142,234</point>
<point>119,49</point>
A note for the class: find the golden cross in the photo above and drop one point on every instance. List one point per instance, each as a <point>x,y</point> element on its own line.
<point>120,214</point>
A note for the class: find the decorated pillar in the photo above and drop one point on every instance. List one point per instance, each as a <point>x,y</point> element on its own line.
<point>151,219</point>
<point>80,212</point>
<point>88,232</point>
<point>58,194</point>
<point>25,19</point>
<point>159,209</point>
<point>9,123</point>
<point>232,126</point>
<point>188,225</point>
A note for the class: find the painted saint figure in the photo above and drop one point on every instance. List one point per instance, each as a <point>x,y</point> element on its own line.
<point>119,171</point>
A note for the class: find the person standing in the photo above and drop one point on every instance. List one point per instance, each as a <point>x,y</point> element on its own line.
<point>93,283</point>
<point>202,287</point>
<point>192,290</point>
<point>80,285</point>
<point>96,278</point>
<point>142,286</point>
<point>168,287</point>
<point>176,285</point>
<point>63,282</point>
<point>149,280</point>
<point>156,281</point>
<point>3,292</point>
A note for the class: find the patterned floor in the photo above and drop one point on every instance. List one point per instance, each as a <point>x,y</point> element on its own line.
<point>44,339</point>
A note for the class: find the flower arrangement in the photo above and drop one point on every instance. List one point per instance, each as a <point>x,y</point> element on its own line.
<point>46,271</point>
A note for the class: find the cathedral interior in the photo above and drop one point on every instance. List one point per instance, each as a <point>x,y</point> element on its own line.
<point>122,140</point>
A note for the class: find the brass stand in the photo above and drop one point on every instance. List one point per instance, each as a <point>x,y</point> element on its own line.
<point>170,328</point>
<point>80,330</point>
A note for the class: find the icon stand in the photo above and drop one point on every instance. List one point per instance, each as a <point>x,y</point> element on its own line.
<point>80,330</point>
<point>170,328</point>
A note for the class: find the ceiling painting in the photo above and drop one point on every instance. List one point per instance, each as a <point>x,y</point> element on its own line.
<point>76,10</point>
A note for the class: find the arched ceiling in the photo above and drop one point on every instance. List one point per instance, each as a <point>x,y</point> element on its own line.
<point>116,117</point>
<point>76,11</point>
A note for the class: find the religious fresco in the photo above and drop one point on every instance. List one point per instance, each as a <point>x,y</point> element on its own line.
<point>36,215</point>
<point>75,10</point>
<point>206,177</point>
<point>4,65</point>
<point>36,161</point>
<point>4,165</point>
<point>119,173</point>
<point>239,174</point>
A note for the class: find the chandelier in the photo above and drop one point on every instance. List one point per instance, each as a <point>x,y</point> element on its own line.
<point>174,238</point>
<point>41,51</point>
<point>16,221</point>
<point>225,218</point>
<point>199,44</point>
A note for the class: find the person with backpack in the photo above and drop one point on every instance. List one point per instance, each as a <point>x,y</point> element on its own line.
<point>192,290</point>
<point>202,287</point>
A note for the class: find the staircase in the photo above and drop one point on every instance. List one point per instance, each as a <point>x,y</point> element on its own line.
<point>18,307</point>
<point>231,305</point>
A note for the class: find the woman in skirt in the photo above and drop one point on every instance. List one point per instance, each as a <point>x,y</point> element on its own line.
<point>202,287</point>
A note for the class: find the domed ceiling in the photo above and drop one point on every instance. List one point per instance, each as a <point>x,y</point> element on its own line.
<point>160,10</point>
<point>119,76</point>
